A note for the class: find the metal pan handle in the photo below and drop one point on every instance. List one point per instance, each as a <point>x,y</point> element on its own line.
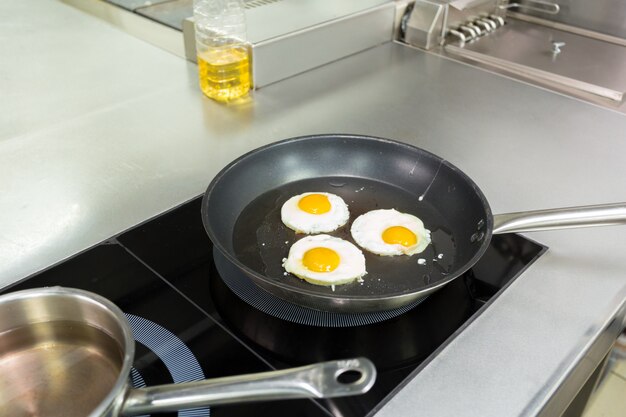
<point>561,218</point>
<point>324,380</point>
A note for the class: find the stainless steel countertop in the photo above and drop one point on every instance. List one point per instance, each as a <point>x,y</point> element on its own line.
<point>100,131</point>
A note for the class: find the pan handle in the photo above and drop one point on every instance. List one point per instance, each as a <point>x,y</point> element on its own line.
<point>561,218</point>
<point>323,380</point>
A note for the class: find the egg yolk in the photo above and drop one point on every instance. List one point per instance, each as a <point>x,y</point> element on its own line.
<point>314,204</point>
<point>399,235</point>
<point>321,259</point>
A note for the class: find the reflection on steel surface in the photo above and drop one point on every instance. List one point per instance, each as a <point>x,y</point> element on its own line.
<point>536,52</point>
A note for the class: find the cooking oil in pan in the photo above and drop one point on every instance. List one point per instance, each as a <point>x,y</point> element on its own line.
<point>224,72</point>
<point>261,240</point>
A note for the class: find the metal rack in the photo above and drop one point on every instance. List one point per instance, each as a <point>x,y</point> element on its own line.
<point>430,23</point>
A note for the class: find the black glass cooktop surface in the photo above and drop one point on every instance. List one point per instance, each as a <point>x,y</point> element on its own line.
<point>189,325</point>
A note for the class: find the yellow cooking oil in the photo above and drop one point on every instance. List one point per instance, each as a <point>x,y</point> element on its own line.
<point>224,72</point>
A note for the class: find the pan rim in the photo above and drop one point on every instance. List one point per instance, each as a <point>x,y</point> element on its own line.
<point>347,297</point>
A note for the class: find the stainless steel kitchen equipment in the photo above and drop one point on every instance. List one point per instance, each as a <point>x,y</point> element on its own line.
<point>537,41</point>
<point>369,173</point>
<point>288,37</point>
<point>68,352</point>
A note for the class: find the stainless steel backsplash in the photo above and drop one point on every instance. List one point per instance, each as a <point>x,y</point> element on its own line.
<point>605,16</point>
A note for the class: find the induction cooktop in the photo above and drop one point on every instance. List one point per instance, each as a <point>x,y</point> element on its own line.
<point>192,320</point>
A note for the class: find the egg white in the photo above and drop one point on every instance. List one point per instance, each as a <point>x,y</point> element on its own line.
<point>303,222</point>
<point>367,231</point>
<point>351,265</point>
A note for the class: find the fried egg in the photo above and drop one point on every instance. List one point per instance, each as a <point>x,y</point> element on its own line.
<point>390,233</point>
<point>325,260</point>
<point>314,213</point>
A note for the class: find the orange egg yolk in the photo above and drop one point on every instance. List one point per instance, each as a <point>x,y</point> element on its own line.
<point>399,235</point>
<point>321,259</point>
<point>314,204</point>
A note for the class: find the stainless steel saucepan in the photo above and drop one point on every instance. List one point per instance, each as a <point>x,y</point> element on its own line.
<point>67,352</point>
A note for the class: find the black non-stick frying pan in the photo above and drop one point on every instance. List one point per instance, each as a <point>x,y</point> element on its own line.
<point>241,214</point>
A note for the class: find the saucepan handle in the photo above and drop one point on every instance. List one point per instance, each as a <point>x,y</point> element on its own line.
<point>322,380</point>
<point>561,218</point>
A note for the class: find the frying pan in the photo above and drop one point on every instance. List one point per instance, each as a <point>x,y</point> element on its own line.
<point>241,214</point>
<point>67,352</point>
